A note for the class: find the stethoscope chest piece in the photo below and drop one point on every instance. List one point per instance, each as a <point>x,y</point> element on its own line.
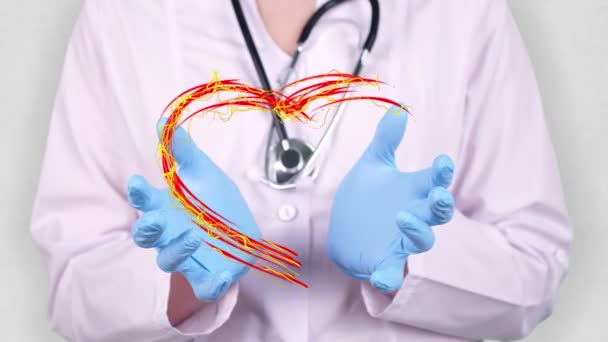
<point>292,160</point>
<point>287,159</point>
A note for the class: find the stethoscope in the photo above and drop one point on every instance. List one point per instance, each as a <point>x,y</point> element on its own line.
<point>291,158</point>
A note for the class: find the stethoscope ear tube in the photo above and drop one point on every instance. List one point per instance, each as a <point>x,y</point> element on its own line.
<point>310,24</point>
<point>373,29</point>
<point>257,62</point>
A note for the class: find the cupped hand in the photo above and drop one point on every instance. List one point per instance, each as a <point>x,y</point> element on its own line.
<point>381,215</point>
<point>164,225</point>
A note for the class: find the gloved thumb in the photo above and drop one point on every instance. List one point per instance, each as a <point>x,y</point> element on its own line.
<point>388,136</point>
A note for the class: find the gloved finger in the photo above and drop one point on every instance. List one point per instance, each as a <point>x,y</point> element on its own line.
<point>440,174</point>
<point>437,208</point>
<point>148,231</point>
<point>178,250</point>
<point>208,287</point>
<point>143,196</point>
<point>388,136</point>
<point>442,171</point>
<point>388,276</point>
<point>183,148</point>
<point>418,237</point>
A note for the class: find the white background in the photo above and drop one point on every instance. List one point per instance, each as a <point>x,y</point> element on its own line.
<point>568,43</point>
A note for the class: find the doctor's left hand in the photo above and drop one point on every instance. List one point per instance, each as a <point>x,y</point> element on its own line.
<point>381,215</point>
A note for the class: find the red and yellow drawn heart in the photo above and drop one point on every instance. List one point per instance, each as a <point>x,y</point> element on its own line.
<point>332,88</point>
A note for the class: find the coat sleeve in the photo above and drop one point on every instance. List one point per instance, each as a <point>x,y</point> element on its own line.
<point>102,286</point>
<point>495,268</point>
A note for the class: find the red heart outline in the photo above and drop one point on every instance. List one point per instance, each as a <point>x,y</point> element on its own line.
<point>294,106</point>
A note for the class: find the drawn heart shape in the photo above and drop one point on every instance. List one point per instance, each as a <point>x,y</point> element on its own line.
<point>293,106</point>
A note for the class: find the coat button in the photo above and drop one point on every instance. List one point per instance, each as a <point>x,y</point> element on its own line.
<point>287,212</point>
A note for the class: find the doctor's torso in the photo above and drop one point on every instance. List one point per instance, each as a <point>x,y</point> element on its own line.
<point>163,48</point>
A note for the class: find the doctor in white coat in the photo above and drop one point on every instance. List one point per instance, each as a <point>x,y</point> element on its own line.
<point>493,270</point>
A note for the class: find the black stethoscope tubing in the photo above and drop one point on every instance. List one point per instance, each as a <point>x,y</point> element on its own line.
<point>306,31</point>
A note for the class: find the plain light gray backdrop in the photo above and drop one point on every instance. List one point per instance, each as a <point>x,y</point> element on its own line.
<point>568,44</point>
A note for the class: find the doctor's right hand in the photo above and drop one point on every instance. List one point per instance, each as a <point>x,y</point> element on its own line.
<point>165,226</point>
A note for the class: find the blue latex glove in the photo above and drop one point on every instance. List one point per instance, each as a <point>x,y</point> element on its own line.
<point>381,215</point>
<point>178,240</point>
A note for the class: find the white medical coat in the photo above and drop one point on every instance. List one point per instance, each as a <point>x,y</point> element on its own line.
<point>462,66</point>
